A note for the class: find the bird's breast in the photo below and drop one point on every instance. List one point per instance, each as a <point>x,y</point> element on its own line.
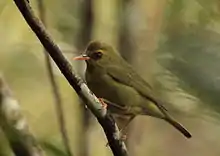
<point>101,85</point>
<point>106,87</point>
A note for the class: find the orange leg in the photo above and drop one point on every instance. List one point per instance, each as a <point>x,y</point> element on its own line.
<point>104,105</point>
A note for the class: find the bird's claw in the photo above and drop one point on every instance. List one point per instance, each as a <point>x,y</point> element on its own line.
<point>104,105</point>
<point>123,137</point>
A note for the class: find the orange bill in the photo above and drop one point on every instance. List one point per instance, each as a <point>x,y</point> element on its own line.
<point>81,57</point>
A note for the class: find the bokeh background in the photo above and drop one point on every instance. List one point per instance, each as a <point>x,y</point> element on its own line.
<point>173,44</point>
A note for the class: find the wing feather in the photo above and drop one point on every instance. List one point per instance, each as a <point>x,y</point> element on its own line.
<point>129,77</point>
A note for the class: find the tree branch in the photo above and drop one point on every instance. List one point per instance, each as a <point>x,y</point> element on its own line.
<point>104,118</point>
<point>15,127</point>
<point>55,89</point>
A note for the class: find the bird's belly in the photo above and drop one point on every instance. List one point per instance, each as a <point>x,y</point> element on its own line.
<point>106,91</point>
<point>122,95</point>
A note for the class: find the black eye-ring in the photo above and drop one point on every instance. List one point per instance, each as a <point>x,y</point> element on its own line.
<point>97,55</point>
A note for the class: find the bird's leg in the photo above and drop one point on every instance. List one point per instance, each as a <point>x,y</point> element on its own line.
<point>122,108</point>
<point>122,135</point>
<point>114,104</point>
<point>104,105</point>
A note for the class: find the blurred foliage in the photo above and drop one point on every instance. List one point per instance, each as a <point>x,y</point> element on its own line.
<point>193,49</point>
<point>52,149</point>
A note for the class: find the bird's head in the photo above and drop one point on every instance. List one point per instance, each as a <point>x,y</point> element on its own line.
<point>98,54</point>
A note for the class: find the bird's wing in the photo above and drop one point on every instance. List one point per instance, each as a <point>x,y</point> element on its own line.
<point>127,76</point>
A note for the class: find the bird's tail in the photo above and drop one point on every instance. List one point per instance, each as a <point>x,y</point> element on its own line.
<point>179,127</point>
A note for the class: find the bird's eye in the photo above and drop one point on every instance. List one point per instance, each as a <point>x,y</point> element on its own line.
<point>97,55</point>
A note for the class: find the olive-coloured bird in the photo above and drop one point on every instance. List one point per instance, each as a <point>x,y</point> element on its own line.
<point>126,93</point>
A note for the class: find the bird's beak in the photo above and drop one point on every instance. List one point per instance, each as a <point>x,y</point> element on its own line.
<point>82,57</point>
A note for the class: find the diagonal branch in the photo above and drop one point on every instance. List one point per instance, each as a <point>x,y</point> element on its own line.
<point>15,127</point>
<point>104,118</point>
<point>55,89</point>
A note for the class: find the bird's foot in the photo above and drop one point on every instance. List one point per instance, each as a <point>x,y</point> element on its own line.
<point>104,105</point>
<point>122,137</point>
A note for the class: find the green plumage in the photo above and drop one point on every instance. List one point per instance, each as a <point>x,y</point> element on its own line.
<point>110,77</point>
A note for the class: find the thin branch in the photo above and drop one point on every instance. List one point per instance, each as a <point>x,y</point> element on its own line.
<point>104,118</point>
<point>14,125</point>
<point>55,89</point>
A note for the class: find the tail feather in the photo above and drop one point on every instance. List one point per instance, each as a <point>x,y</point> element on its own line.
<point>179,127</point>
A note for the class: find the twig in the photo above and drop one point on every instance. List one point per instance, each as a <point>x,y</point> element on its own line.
<point>105,119</point>
<point>55,89</point>
<point>14,125</point>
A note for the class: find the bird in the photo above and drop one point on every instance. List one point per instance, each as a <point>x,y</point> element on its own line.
<point>121,88</point>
